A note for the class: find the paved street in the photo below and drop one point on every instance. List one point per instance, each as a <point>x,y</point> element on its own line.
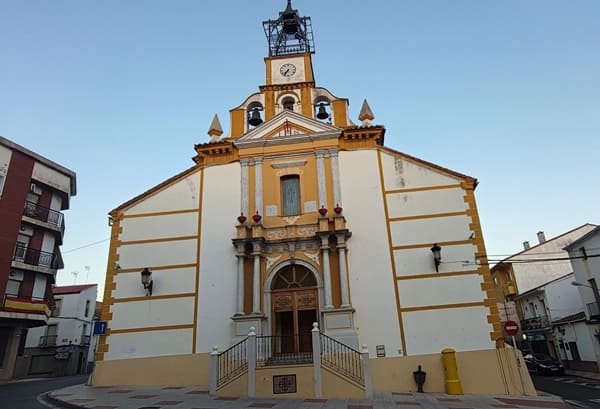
<point>23,394</point>
<point>577,392</point>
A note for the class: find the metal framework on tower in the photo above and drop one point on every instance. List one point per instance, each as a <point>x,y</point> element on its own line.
<point>289,34</point>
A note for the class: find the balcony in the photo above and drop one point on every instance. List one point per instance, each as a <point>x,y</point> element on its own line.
<point>594,310</point>
<point>34,257</point>
<point>536,323</point>
<point>27,305</point>
<point>85,340</point>
<point>48,341</point>
<point>44,214</point>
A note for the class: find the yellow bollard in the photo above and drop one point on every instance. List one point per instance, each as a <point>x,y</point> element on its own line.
<point>453,385</point>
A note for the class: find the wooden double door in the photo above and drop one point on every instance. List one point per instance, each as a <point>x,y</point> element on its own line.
<point>294,311</point>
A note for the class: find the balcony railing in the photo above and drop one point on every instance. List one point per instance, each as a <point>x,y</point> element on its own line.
<point>34,257</point>
<point>594,310</point>
<point>540,322</point>
<point>43,214</point>
<point>27,305</point>
<point>85,340</point>
<point>48,341</point>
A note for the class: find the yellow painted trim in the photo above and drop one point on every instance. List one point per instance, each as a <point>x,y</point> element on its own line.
<point>488,284</point>
<point>110,283</point>
<point>427,216</point>
<point>149,329</point>
<point>308,69</point>
<point>238,120</point>
<point>198,254</point>
<point>166,267</point>
<point>154,297</point>
<point>440,243</point>
<point>161,240</point>
<point>444,306</point>
<point>152,214</point>
<point>436,275</point>
<point>306,101</point>
<point>421,189</point>
<point>269,71</point>
<point>392,258</point>
<point>339,109</point>
<point>269,109</point>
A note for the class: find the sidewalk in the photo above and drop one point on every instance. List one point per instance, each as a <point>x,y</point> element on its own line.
<point>121,397</point>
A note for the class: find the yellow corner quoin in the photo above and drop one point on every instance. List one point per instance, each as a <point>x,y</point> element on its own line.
<point>453,385</point>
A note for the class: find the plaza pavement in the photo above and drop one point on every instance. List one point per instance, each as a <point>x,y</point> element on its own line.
<point>124,397</point>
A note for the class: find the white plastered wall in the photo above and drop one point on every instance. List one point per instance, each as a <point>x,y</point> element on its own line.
<point>172,248</point>
<point>149,344</point>
<point>369,268</point>
<point>182,195</point>
<point>218,264</point>
<point>431,331</point>
<point>434,216</point>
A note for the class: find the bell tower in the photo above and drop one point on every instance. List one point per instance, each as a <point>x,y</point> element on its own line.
<point>289,83</point>
<point>291,44</point>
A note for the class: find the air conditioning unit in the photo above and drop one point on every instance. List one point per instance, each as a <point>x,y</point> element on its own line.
<point>33,188</point>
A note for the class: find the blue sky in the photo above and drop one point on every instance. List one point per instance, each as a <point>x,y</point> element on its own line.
<point>120,91</point>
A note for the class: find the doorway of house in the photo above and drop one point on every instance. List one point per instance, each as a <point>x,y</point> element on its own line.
<point>295,308</point>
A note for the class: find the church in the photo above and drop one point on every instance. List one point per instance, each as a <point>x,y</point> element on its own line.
<point>301,225</point>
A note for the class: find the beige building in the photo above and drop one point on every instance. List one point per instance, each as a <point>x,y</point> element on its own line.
<point>299,216</point>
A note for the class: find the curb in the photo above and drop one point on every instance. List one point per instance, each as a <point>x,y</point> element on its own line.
<point>47,397</point>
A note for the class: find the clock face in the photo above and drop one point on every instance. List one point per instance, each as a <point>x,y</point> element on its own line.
<point>287,70</point>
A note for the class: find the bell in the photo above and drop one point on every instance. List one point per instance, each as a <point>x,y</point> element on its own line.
<point>255,118</point>
<point>290,19</point>
<point>322,114</point>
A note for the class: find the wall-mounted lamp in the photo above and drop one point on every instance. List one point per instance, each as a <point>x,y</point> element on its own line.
<point>147,280</point>
<point>437,256</point>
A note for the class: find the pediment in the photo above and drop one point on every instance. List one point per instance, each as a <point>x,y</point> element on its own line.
<point>288,124</point>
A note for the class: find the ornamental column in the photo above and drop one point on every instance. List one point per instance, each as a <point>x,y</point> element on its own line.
<point>240,280</point>
<point>341,247</point>
<point>245,188</point>
<point>321,180</point>
<point>335,176</point>
<point>256,280</point>
<point>258,186</point>
<point>326,271</point>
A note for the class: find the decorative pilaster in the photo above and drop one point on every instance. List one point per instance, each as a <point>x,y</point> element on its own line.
<point>245,189</point>
<point>256,280</point>
<point>321,183</point>
<point>335,175</point>
<point>240,281</point>
<point>326,271</point>
<point>341,247</point>
<point>258,183</point>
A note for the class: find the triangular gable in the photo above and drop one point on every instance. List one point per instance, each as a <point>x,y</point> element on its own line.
<point>287,123</point>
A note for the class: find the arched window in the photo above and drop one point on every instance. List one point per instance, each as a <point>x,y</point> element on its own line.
<point>290,195</point>
<point>294,276</point>
<point>288,103</point>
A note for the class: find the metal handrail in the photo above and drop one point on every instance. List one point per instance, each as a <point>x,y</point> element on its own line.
<point>535,323</point>
<point>34,257</point>
<point>284,349</point>
<point>232,363</point>
<point>42,213</point>
<point>341,358</point>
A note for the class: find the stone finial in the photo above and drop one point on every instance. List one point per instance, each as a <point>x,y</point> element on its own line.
<point>365,115</point>
<point>215,130</point>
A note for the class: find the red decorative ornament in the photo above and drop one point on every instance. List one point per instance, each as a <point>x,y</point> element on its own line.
<point>241,218</point>
<point>256,217</point>
<point>337,209</point>
<point>322,211</point>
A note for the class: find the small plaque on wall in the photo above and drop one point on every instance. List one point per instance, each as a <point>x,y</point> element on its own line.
<point>284,384</point>
<point>380,351</point>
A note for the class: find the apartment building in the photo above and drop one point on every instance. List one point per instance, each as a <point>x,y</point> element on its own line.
<point>33,193</point>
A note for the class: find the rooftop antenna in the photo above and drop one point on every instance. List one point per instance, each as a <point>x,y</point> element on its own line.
<point>74,274</point>
<point>87,273</point>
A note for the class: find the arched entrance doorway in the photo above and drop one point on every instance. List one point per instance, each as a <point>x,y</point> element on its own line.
<point>294,308</point>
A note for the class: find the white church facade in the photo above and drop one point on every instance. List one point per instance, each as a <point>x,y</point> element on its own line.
<point>299,216</point>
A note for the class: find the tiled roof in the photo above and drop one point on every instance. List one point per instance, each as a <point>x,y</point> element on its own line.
<point>580,316</point>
